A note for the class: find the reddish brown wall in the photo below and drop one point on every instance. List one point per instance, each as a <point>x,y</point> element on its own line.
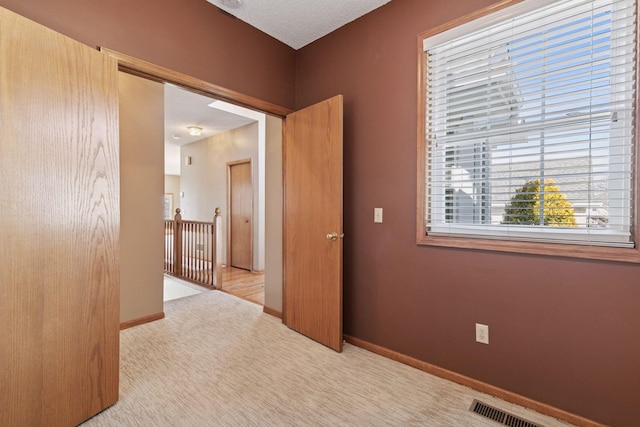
<point>190,36</point>
<point>564,332</point>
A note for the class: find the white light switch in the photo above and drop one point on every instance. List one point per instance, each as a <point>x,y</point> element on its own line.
<point>377,215</point>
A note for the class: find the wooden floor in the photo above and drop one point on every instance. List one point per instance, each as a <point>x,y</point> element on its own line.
<point>243,284</point>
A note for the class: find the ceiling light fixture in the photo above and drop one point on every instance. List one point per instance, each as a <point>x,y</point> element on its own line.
<point>194,130</point>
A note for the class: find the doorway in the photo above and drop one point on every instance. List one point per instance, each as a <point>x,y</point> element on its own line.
<point>235,164</point>
<point>272,167</point>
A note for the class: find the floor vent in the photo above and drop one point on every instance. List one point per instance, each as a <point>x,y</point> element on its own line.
<point>500,416</point>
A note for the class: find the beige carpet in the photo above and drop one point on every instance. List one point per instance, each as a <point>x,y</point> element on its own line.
<point>216,360</point>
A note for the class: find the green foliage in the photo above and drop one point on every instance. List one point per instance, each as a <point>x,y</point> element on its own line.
<point>524,207</point>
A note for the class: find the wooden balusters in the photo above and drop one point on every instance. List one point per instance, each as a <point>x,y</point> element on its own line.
<point>193,249</point>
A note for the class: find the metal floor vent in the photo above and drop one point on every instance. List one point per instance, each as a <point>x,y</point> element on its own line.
<point>500,416</point>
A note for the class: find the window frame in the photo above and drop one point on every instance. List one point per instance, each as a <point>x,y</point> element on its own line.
<point>496,243</point>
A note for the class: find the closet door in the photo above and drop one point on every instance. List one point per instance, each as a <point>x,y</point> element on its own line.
<point>59,220</point>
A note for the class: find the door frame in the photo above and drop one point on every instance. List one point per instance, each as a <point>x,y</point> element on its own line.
<point>229,166</point>
<point>147,70</point>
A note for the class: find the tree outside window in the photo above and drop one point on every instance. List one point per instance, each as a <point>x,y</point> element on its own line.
<point>536,204</point>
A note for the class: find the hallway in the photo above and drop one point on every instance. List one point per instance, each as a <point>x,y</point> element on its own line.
<point>237,282</point>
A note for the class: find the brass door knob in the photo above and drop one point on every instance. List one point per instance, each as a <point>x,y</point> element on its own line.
<point>334,236</point>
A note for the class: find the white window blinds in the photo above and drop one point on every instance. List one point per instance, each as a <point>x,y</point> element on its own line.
<point>529,131</point>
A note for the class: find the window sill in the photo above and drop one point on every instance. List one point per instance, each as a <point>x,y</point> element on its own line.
<point>548,249</point>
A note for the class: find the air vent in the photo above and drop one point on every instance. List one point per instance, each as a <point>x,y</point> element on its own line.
<point>500,416</point>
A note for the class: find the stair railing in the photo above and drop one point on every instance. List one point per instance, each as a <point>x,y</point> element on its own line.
<point>193,250</point>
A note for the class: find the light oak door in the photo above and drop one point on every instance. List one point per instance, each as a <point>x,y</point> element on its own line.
<point>59,250</point>
<point>313,222</point>
<point>241,215</point>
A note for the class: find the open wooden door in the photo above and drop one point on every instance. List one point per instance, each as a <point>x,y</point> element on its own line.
<point>59,280</point>
<point>313,222</point>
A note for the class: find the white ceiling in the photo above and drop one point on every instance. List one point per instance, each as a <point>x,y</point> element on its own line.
<point>298,22</point>
<point>183,109</point>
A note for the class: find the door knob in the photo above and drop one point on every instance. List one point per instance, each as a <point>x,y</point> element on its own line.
<point>334,236</point>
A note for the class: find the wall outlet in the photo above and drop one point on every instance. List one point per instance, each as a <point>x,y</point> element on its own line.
<point>482,333</point>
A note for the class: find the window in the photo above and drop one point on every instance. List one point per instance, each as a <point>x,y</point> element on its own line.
<point>529,130</point>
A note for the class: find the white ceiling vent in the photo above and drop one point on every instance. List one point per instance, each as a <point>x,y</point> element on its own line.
<point>232,3</point>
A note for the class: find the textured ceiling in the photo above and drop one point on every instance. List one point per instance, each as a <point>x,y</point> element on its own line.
<point>298,22</point>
